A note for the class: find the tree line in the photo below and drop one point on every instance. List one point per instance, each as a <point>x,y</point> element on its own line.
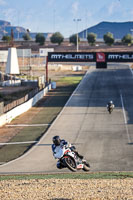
<point>58,38</point>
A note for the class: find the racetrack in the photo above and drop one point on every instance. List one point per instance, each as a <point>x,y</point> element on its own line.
<point>105,140</point>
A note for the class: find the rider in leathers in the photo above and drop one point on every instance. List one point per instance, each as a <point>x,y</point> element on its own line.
<point>57,144</point>
<point>110,105</point>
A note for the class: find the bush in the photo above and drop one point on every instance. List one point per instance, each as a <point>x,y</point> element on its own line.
<point>127,39</point>
<point>40,38</point>
<point>26,37</point>
<point>73,39</point>
<point>6,38</point>
<point>108,38</point>
<point>91,37</point>
<point>57,38</point>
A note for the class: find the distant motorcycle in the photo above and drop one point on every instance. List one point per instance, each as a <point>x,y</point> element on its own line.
<point>70,160</point>
<point>110,109</point>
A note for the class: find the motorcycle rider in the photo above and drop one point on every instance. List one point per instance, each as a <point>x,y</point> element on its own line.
<point>110,105</point>
<point>59,143</point>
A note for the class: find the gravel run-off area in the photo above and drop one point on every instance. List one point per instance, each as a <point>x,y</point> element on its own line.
<point>66,189</point>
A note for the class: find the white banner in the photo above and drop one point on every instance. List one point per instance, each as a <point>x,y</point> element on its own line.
<point>44,52</point>
<point>3,56</point>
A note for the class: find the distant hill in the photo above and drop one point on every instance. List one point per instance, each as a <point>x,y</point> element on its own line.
<point>5,29</point>
<point>118,29</point>
<point>4,23</point>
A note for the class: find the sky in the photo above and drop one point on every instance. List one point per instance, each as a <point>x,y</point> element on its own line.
<point>62,15</point>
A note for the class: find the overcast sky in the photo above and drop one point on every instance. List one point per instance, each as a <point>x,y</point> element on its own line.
<point>59,15</point>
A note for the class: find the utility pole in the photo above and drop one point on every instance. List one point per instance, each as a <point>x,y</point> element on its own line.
<point>77,20</point>
<point>54,21</point>
<point>12,38</point>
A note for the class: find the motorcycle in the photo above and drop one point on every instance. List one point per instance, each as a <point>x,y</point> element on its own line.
<point>110,109</point>
<point>69,159</point>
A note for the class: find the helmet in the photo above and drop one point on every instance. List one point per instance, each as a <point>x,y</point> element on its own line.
<point>56,140</point>
<point>111,102</point>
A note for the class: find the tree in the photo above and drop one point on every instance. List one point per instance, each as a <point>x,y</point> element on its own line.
<point>6,38</point>
<point>40,38</point>
<point>57,38</point>
<point>26,37</point>
<point>109,38</point>
<point>91,37</point>
<point>73,39</point>
<point>127,39</point>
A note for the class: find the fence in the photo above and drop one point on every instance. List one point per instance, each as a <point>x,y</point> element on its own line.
<point>18,110</point>
<point>13,104</point>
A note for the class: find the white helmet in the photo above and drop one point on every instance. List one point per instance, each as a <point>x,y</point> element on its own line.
<point>111,102</point>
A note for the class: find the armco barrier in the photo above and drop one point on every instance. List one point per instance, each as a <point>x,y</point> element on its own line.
<point>11,83</point>
<point>9,116</point>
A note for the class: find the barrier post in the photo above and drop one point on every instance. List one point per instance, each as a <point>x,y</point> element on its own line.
<point>46,70</point>
<point>101,64</point>
<point>101,60</point>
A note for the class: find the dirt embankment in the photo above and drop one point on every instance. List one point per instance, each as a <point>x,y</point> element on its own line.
<point>66,189</point>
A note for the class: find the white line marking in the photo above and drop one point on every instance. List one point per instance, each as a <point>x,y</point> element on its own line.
<point>13,125</point>
<point>28,142</point>
<point>75,91</point>
<point>125,119</point>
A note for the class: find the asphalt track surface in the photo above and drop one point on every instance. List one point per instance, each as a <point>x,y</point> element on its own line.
<point>105,140</point>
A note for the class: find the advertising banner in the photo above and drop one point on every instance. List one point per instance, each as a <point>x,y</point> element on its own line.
<point>3,56</point>
<point>99,57</point>
<point>71,57</point>
<point>119,57</point>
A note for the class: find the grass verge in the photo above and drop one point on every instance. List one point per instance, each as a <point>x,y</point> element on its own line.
<point>98,175</point>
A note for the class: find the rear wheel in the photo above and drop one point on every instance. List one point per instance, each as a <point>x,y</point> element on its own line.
<point>86,166</point>
<point>110,110</point>
<point>70,163</point>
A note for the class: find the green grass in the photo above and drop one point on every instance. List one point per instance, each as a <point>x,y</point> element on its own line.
<point>71,80</point>
<point>51,107</point>
<point>96,175</point>
<point>28,77</point>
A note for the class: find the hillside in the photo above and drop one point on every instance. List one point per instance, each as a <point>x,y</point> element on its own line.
<point>119,29</point>
<point>5,29</point>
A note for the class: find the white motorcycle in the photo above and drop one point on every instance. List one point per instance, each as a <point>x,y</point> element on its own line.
<point>69,159</point>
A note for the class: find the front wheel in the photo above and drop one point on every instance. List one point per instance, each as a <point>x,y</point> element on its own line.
<point>70,163</point>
